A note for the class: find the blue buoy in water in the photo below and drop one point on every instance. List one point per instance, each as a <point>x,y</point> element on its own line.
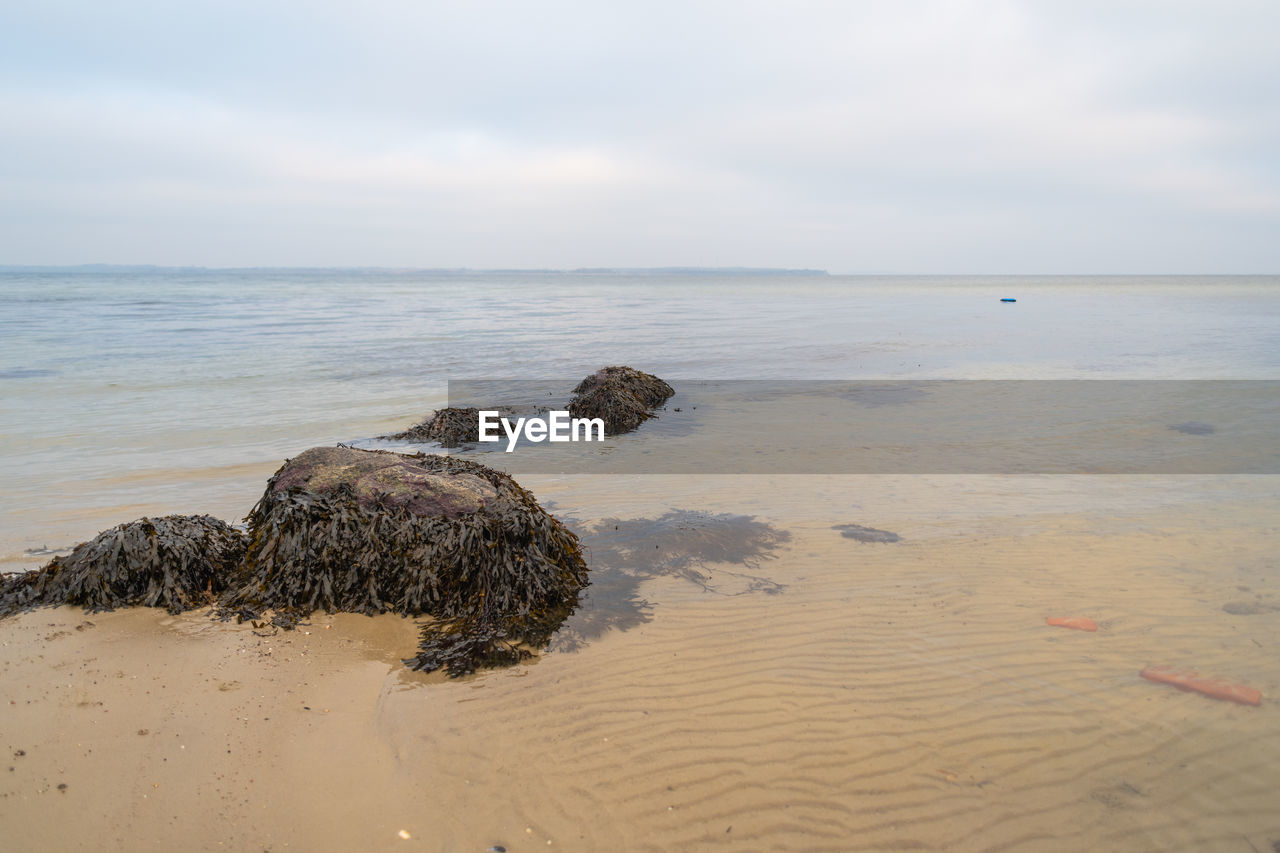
<point>1007,299</point>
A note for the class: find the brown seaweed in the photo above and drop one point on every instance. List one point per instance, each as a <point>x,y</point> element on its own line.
<point>178,562</point>
<point>622,397</point>
<point>645,387</point>
<point>497,575</point>
<point>451,427</point>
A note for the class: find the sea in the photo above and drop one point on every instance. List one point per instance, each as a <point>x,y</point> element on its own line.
<point>134,392</point>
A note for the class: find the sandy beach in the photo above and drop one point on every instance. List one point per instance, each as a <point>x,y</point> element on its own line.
<point>821,694</point>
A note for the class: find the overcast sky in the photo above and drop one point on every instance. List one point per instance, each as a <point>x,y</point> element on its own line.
<point>903,136</point>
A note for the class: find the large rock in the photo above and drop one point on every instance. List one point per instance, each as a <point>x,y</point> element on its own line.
<point>622,397</point>
<point>177,562</point>
<point>383,481</point>
<point>342,529</point>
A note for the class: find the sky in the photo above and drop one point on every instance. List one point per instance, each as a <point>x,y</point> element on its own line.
<point>911,136</point>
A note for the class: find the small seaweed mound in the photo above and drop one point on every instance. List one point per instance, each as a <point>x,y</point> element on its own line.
<point>450,427</point>
<point>177,562</point>
<point>362,531</point>
<point>622,397</point>
<point>866,534</point>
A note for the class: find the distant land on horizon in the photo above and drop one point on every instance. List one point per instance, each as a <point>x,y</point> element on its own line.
<point>145,268</point>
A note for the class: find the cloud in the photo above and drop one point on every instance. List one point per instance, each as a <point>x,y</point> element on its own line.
<point>922,135</point>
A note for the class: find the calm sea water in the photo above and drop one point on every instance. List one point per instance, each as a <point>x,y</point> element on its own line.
<point>168,391</point>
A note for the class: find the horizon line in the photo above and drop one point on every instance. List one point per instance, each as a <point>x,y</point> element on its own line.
<point>100,267</point>
<point>595,270</point>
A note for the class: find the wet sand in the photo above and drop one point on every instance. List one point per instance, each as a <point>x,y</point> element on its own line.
<point>815,693</point>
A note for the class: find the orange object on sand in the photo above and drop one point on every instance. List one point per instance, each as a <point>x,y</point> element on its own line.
<point>1215,687</point>
<point>1077,622</point>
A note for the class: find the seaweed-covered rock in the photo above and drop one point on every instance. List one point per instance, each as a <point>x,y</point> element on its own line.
<point>645,387</point>
<point>622,397</point>
<point>362,531</point>
<point>451,427</point>
<point>621,411</point>
<point>177,562</point>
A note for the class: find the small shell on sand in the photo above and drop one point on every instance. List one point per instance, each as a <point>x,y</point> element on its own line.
<point>1214,687</point>
<point>1078,623</point>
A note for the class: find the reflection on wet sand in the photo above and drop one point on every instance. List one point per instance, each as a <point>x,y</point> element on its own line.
<point>696,547</point>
